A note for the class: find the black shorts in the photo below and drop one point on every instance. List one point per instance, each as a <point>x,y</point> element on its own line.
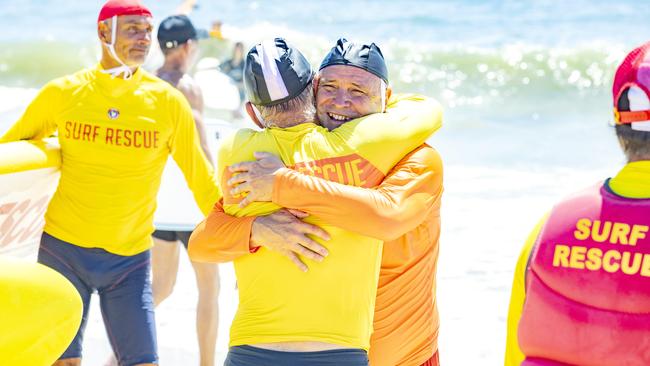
<point>247,355</point>
<point>182,236</point>
<point>124,289</point>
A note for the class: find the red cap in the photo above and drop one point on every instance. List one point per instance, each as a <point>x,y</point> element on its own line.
<point>634,75</point>
<point>122,7</point>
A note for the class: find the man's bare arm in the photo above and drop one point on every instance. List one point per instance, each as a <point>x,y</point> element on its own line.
<point>194,96</point>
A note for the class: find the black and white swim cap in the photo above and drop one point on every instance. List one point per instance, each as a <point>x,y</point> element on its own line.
<point>275,72</point>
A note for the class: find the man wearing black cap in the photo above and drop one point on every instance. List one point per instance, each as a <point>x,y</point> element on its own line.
<point>322,316</point>
<point>360,72</point>
<point>178,40</point>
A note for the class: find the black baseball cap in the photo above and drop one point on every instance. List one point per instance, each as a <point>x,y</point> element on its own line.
<point>275,72</point>
<point>176,30</point>
<point>364,56</point>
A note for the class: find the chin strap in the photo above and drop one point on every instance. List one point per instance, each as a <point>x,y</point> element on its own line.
<point>258,115</point>
<point>382,91</point>
<point>116,71</point>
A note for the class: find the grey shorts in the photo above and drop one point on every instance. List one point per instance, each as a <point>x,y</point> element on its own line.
<point>247,356</point>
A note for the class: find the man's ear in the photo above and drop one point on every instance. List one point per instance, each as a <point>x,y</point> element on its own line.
<point>103,32</point>
<point>253,115</point>
<point>187,46</point>
<point>315,83</point>
<point>389,92</point>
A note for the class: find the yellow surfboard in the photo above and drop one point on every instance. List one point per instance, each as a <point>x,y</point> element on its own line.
<point>40,312</point>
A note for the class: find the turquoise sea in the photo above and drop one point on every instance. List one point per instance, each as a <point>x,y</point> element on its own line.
<point>507,71</point>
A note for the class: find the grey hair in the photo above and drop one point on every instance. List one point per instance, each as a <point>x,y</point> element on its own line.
<point>296,110</point>
<point>635,144</point>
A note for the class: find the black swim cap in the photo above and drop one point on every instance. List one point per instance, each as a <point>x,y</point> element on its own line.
<point>367,57</point>
<point>176,30</point>
<point>275,72</point>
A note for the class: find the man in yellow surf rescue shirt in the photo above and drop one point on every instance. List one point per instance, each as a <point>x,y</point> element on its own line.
<point>322,316</point>
<point>581,292</point>
<point>116,125</point>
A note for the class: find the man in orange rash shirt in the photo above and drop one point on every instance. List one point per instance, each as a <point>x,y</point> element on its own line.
<point>404,212</point>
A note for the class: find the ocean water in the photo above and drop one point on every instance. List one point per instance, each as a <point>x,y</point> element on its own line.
<point>526,87</point>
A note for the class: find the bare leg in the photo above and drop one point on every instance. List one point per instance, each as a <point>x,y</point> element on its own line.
<point>68,362</point>
<point>207,310</point>
<point>164,268</point>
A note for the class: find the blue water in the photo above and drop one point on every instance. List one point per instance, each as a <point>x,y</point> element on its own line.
<point>469,23</point>
<point>523,82</point>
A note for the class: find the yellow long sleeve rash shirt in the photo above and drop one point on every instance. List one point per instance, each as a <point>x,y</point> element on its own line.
<point>115,137</point>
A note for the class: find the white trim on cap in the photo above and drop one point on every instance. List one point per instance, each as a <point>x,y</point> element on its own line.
<point>639,102</point>
<point>258,114</point>
<point>268,53</point>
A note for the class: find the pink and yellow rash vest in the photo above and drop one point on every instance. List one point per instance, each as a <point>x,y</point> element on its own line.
<point>588,284</point>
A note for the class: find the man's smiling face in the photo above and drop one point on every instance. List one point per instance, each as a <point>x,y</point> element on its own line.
<point>345,93</point>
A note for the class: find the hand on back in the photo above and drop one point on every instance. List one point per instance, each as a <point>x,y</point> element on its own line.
<point>284,232</point>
